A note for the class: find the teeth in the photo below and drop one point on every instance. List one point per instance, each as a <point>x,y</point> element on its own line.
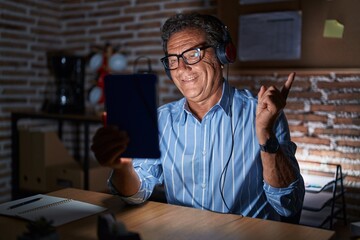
<point>189,79</point>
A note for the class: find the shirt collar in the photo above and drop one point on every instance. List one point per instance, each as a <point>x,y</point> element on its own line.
<point>226,98</point>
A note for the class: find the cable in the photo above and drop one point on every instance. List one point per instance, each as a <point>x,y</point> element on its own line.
<point>224,171</point>
<point>149,70</point>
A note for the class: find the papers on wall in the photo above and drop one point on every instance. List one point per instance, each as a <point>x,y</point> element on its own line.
<point>333,29</point>
<point>270,36</point>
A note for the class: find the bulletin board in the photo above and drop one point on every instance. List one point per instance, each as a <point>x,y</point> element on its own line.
<point>317,51</point>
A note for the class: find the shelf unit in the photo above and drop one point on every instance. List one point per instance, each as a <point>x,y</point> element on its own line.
<point>324,200</point>
<point>76,119</point>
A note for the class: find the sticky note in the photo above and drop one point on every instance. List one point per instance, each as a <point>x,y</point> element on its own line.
<point>333,29</point>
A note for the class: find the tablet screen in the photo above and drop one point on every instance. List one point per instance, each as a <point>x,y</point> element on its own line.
<point>130,103</point>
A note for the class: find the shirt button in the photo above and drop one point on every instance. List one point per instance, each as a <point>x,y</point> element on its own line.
<point>204,153</point>
<point>203,185</point>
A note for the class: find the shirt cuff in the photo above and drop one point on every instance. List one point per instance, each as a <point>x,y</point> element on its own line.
<point>286,201</point>
<point>280,191</point>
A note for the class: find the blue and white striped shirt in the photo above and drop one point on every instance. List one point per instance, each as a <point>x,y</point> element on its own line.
<point>194,157</point>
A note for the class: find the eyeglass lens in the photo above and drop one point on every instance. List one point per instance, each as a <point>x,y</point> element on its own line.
<point>190,57</point>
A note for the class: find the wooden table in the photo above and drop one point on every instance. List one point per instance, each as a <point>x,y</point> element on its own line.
<point>154,220</point>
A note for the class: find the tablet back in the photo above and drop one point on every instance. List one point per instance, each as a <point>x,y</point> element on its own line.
<point>130,103</point>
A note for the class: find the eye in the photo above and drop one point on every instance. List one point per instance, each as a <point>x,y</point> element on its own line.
<point>193,54</point>
<point>172,61</point>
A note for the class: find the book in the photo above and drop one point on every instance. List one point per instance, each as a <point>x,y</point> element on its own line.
<point>55,209</point>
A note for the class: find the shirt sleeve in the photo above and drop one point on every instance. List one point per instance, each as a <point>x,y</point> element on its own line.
<point>289,200</point>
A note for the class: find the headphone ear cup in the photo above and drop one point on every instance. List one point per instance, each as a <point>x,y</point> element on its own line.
<point>221,54</point>
<point>226,53</point>
<point>230,52</point>
<point>226,50</point>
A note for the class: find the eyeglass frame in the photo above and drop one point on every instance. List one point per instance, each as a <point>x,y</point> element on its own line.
<point>198,49</point>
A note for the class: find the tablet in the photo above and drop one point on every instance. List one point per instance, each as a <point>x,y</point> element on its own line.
<point>131,104</point>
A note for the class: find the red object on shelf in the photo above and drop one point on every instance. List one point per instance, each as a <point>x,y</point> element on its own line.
<point>104,118</point>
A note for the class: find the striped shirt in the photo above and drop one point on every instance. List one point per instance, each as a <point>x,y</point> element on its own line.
<point>215,164</point>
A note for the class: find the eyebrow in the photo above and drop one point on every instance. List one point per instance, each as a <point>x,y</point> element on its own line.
<point>198,45</point>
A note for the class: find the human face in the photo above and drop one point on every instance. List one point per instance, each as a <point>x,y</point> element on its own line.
<point>200,83</point>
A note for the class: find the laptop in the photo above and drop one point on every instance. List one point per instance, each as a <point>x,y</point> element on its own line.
<point>131,104</point>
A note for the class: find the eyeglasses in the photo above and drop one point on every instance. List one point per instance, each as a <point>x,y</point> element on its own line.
<point>190,57</point>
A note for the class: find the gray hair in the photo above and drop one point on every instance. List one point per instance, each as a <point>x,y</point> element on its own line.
<point>213,28</point>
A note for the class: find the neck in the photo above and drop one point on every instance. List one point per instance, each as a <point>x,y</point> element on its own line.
<point>199,109</point>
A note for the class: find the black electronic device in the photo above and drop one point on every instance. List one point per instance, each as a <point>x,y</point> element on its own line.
<point>131,104</point>
<point>68,93</point>
<point>271,146</point>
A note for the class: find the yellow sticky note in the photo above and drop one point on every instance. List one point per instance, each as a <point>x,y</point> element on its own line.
<point>333,29</point>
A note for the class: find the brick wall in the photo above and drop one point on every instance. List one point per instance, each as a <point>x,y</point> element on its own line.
<point>323,107</point>
<point>31,28</point>
<point>27,30</point>
<point>323,113</point>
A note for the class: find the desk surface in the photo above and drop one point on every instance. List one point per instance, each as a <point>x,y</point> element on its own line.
<point>154,220</point>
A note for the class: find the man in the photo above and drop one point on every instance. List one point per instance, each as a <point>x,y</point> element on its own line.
<point>222,149</point>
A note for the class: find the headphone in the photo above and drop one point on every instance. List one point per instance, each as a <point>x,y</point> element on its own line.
<point>225,51</point>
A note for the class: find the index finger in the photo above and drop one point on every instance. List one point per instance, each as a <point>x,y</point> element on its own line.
<point>287,85</point>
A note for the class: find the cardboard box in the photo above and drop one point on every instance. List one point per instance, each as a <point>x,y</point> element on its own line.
<point>72,175</point>
<point>37,151</point>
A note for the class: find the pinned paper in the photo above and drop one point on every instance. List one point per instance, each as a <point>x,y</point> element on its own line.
<point>270,36</point>
<point>333,29</point>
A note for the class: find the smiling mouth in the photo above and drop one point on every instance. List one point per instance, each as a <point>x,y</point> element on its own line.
<point>188,79</point>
